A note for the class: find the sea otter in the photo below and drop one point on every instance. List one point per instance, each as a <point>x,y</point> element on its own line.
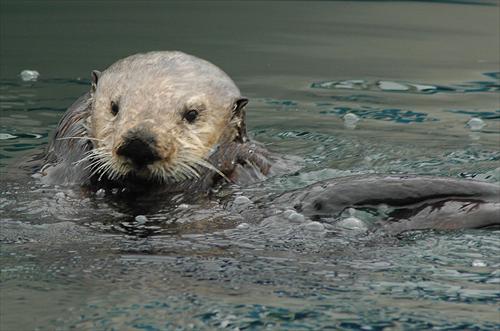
<point>170,121</point>
<point>156,120</point>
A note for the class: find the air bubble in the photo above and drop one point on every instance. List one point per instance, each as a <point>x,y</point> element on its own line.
<point>314,227</point>
<point>351,120</point>
<point>476,124</point>
<point>243,226</point>
<point>242,200</point>
<point>141,219</point>
<point>295,217</point>
<point>479,263</point>
<point>29,75</point>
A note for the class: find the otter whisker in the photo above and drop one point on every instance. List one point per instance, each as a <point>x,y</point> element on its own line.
<point>181,174</point>
<point>189,169</point>
<point>256,169</point>
<point>82,138</point>
<point>169,173</point>
<point>88,155</point>
<point>180,165</point>
<point>185,172</point>
<point>114,174</point>
<point>117,170</point>
<point>178,175</point>
<point>99,151</point>
<point>100,168</point>
<point>93,164</point>
<point>210,166</point>
<point>205,164</point>
<point>104,170</point>
<point>155,172</point>
<point>98,159</point>
<point>97,169</point>
<point>159,173</point>
<point>111,170</point>
<point>122,170</point>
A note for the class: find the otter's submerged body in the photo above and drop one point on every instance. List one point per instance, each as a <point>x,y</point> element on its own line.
<point>168,121</point>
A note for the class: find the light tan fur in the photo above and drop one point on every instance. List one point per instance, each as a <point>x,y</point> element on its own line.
<point>153,90</point>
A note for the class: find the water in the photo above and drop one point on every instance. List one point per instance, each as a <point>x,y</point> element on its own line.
<point>413,73</point>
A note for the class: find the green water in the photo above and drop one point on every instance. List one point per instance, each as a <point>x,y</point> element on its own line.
<point>413,72</point>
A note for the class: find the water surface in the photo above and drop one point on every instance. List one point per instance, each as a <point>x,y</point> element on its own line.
<point>414,73</point>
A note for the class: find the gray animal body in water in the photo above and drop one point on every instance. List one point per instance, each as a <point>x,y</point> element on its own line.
<point>414,202</point>
<point>168,121</point>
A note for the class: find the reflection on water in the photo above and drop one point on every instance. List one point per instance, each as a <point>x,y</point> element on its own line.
<point>396,115</point>
<point>392,86</point>
<point>413,77</point>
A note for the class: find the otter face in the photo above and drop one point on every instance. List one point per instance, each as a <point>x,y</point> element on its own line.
<point>159,116</point>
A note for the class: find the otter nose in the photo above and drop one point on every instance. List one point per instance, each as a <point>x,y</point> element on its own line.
<point>139,150</point>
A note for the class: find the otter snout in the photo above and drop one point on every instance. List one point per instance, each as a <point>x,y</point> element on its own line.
<point>140,148</point>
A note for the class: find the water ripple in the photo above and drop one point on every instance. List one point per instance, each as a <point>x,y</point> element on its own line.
<point>409,87</point>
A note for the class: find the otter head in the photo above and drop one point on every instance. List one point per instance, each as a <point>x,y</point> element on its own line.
<point>159,116</point>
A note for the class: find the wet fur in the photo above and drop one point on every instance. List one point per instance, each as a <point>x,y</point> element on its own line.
<point>240,161</point>
<point>416,202</point>
<point>83,150</point>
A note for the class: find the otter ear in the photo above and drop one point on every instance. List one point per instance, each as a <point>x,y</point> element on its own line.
<point>95,77</point>
<point>239,114</point>
<point>238,106</point>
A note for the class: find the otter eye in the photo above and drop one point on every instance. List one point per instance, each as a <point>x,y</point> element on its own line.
<point>114,108</point>
<point>190,115</point>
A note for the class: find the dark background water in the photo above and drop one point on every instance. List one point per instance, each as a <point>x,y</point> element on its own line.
<point>303,65</point>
